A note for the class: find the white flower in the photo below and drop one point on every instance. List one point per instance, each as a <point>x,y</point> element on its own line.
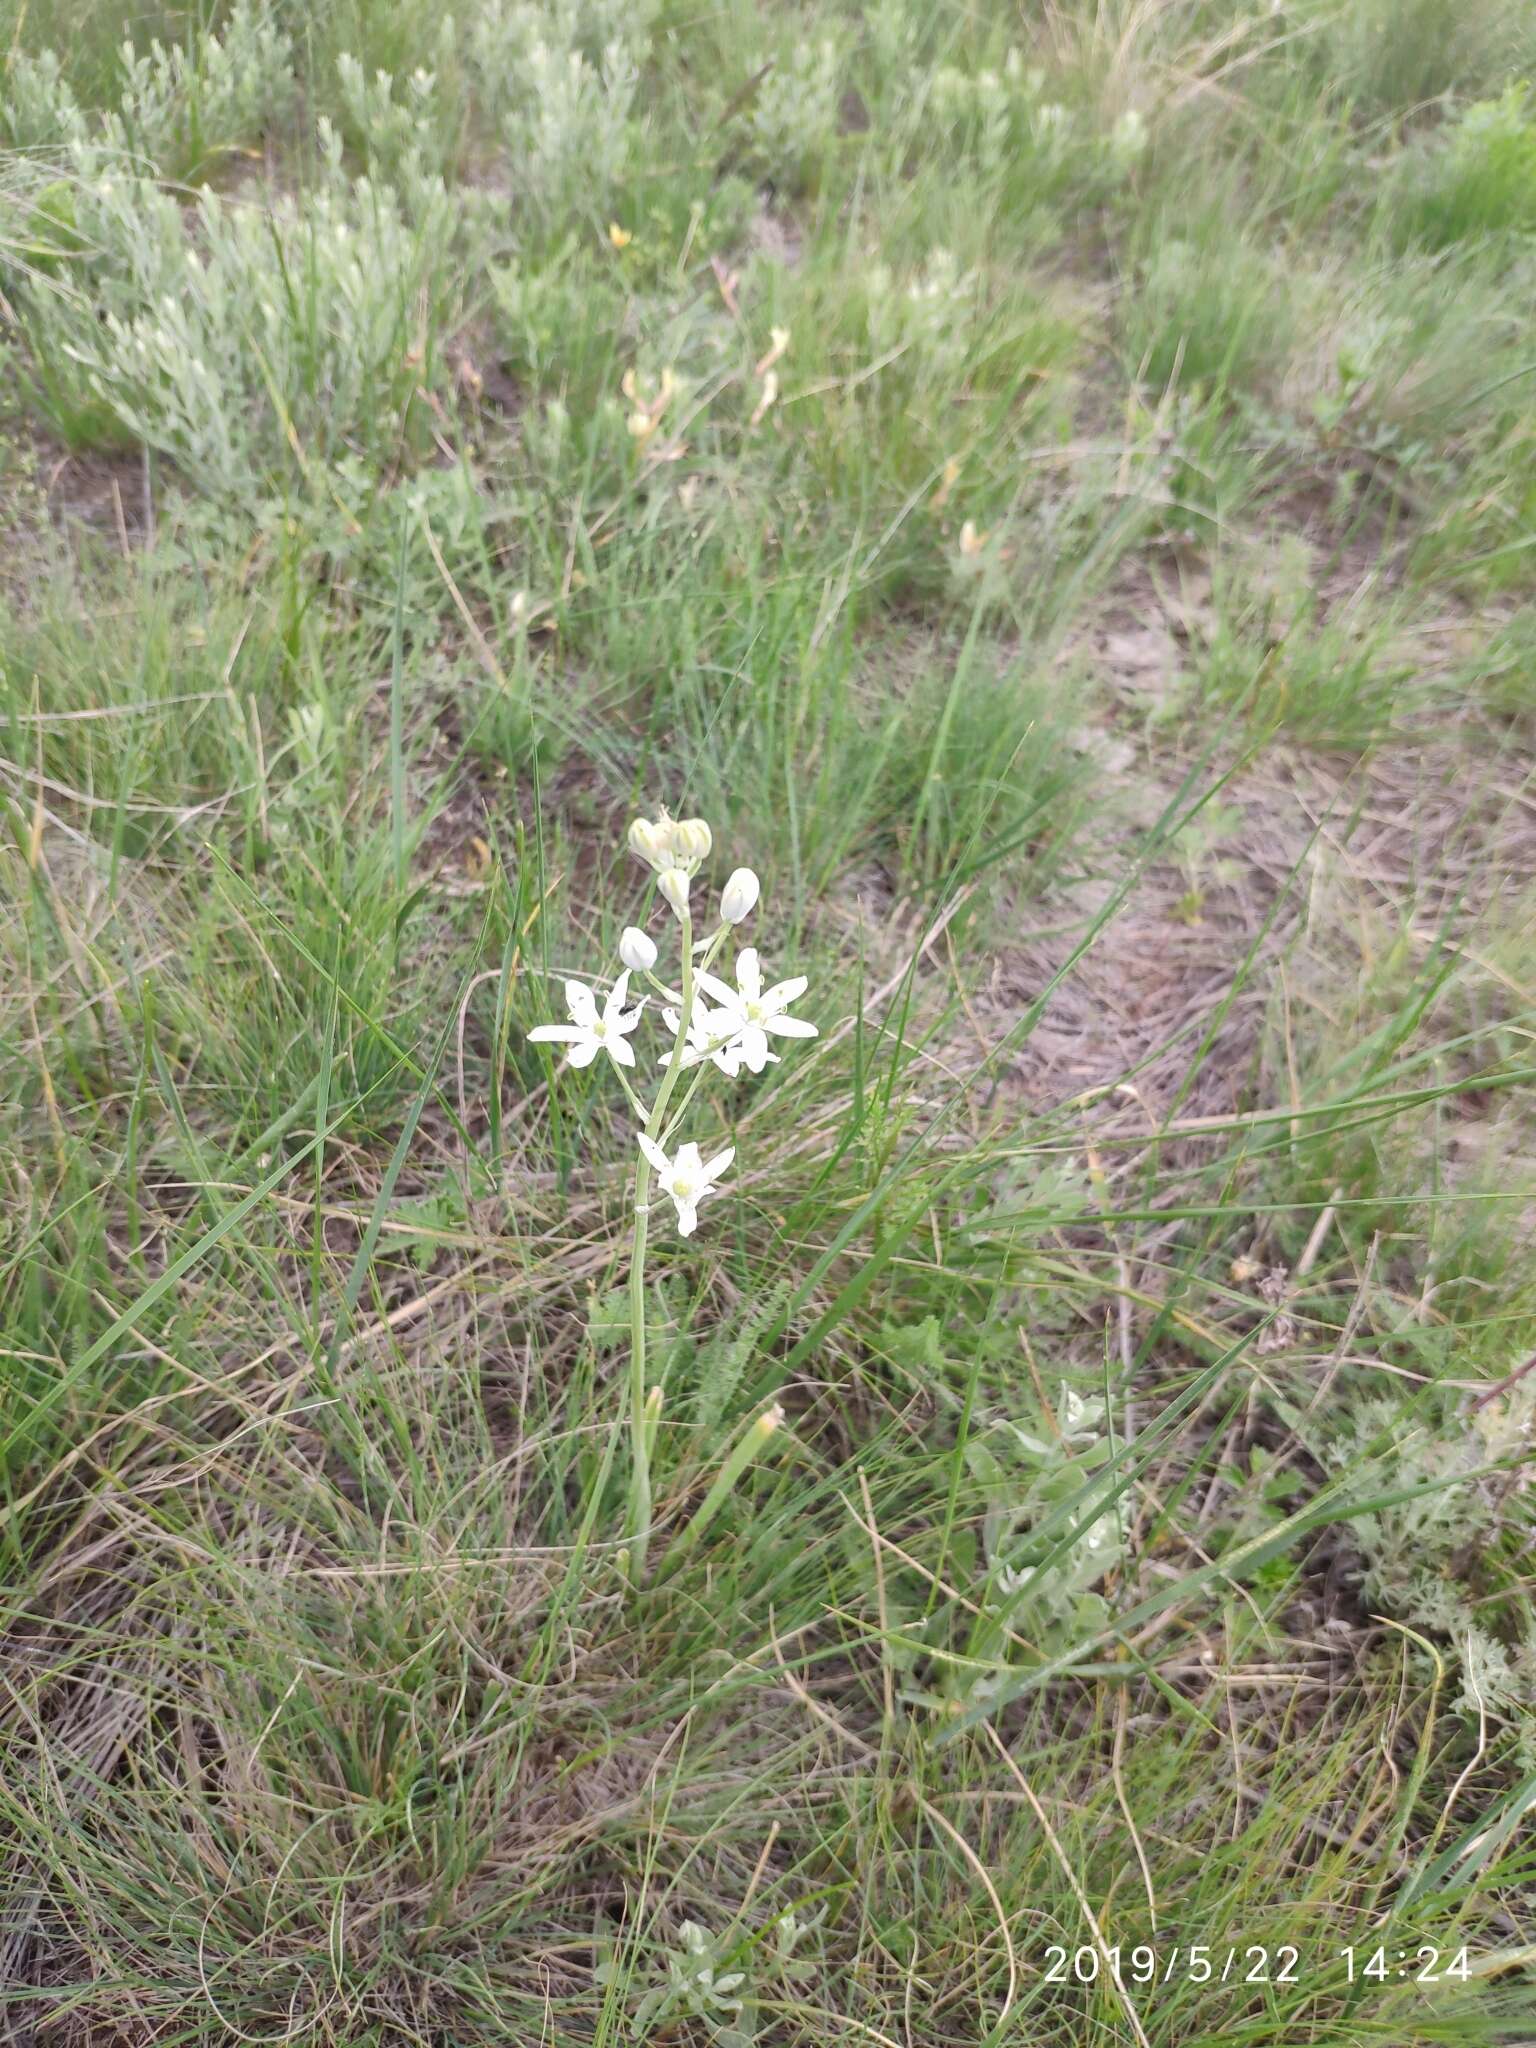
<point>738,899</point>
<point>690,840</point>
<point>637,950</point>
<point>712,1035</point>
<point>588,1034</point>
<point>651,841</point>
<point>671,842</point>
<point>686,1178</point>
<point>756,1011</point>
<point>673,884</point>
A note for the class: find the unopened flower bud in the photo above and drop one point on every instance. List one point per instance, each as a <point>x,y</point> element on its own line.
<point>770,1420</point>
<point>636,950</point>
<point>690,839</point>
<point>673,884</point>
<point>738,899</point>
<point>652,843</point>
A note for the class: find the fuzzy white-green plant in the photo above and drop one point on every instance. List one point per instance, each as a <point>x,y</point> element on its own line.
<point>38,109</point>
<point>562,86</point>
<point>717,1981</point>
<point>178,106</point>
<point>401,125</point>
<point>982,111</point>
<point>1418,1556</point>
<point>254,333</point>
<point>1004,120</point>
<point>263,335</point>
<point>712,1026</point>
<point>933,313</point>
<point>794,113</point>
<point>207,96</point>
<point>1048,1538</point>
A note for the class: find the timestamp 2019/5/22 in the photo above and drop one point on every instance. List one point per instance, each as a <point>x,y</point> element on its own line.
<point>1256,1963</point>
<point>1196,1963</point>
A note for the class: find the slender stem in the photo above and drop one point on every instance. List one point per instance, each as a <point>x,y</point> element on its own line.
<point>638,1527</point>
<point>702,1068</point>
<point>682,1108</point>
<point>757,1435</point>
<point>714,947</point>
<point>638,1520</point>
<point>634,1101</point>
<point>716,941</point>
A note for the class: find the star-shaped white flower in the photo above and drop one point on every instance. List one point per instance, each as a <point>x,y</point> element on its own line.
<point>712,1035</point>
<point>588,1034</point>
<point>755,1011</point>
<point>686,1178</point>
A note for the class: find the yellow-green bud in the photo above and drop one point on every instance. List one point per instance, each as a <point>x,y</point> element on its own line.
<point>673,884</point>
<point>653,843</point>
<point>690,840</point>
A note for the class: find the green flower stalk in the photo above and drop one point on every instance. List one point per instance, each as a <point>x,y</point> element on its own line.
<point>713,1026</point>
<point>753,1442</point>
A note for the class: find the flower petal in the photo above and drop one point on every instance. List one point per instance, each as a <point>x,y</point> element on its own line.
<point>754,1048</point>
<point>653,1152</point>
<point>722,991</point>
<point>791,1027</point>
<point>581,1003</point>
<point>555,1034</point>
<point>688,1157</point>
<point>687,1218</point>
<point>713,1168</point>
<point>749,973</point>
<point>620,1051</point>
<point>618,995</point>
<point>783,993</point>
<point>583,1052</point>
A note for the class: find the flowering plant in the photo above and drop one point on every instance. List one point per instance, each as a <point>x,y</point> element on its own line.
<point>711,1024</point>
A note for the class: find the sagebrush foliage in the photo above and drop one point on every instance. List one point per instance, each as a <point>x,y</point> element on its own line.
<point>179,108</point>
<point>1419,1558</point>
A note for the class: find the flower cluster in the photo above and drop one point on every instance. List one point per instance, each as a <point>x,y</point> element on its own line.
<point>711,1022</point>
<point>588,1034</point>
<point>735,1033</point>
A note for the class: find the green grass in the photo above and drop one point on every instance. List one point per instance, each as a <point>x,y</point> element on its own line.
<point>1103,618</point>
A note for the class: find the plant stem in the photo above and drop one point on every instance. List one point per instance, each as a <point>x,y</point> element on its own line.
<point>702,1069</point>
<point>638,1519</point>
<point>637,1526</point>
<point>756,1436</point>
<point>682,1108</point>
<point>634,1101</point>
